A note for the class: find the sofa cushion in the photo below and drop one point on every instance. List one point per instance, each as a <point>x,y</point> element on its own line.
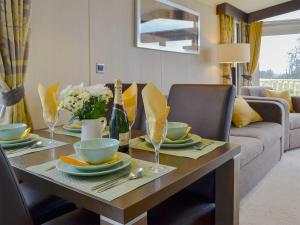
<point>267,132</point>
<point>256,91</point>
<point>294,121</point>
<point>250,148</point>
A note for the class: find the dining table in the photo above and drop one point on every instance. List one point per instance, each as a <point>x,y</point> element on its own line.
<point>132,207</point>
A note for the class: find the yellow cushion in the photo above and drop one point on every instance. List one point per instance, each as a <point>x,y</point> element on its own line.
<point>243,114</point>
<point>281,94</point>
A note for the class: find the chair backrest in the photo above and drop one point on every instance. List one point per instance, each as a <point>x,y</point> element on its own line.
<point>140,115</point>
<point>254,91</point>
<point>13,208</point>
<point>207,108</point>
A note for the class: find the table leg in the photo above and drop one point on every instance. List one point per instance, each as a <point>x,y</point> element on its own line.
<point>227,193</point>
<point>140,220</point>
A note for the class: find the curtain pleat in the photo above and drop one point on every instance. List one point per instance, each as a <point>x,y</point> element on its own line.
<point>14,41</point>
<point>226,37</point>
<point>255,33</point>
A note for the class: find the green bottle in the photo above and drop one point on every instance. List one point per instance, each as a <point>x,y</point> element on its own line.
<point>119,126</point>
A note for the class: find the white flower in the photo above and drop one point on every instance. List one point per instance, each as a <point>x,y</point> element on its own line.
<point>98,90</point>
<point>73,98</point>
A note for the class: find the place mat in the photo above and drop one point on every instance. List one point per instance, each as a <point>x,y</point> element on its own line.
<point>14,152</point>
<point>189,152</point>
<point>84,184</point>
<point>62,131</point>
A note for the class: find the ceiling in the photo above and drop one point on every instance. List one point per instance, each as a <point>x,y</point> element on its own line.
<point>246,5</point>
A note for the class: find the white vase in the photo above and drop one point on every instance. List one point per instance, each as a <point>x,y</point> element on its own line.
<point>91,129</point>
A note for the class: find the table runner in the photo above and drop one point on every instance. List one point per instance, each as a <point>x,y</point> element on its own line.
<point>10,153</point>
<point>84,184</point>
<point>62,131</point>
<point>189,152</point>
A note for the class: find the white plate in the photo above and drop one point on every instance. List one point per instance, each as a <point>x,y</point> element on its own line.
<point>195,139</point>
<point>71,129</point>
<point>100,167</point>
<point>32,138</point>
<point>71,170</point>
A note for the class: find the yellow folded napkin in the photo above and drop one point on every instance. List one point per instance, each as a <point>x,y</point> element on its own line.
<point>156,110</point>
<point>130,101</point>
<point>75,162</point>
<point>49,101</point>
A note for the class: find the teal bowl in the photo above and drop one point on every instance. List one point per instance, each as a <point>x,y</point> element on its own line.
<point>12,131</point>
<point>96,151</point>
<point>176,130</point>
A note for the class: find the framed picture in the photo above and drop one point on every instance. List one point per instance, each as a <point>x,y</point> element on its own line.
<point>168,26</point>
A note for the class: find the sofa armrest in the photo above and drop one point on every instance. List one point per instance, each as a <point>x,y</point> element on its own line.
<point>296,103</point>
<point>284,103</point>
<point>270,111</point>
<point>273,111</point>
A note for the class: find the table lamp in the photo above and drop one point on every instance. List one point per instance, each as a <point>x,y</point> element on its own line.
<point>231,54</point>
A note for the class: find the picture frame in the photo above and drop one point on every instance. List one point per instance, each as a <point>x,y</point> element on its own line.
<point>167,26</point>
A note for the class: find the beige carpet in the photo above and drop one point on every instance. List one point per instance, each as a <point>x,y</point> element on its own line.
<point>276,199</point>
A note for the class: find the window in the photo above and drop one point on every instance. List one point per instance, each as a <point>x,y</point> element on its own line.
<point>279,63</point>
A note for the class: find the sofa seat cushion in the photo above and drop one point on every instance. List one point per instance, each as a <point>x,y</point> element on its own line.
<point>294,121</point>
<point>267,132</point>
<point>250,148</point>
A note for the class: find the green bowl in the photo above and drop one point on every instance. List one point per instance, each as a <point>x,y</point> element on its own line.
<point>12,131</point>
<point>176,130</point>
<point>96,151</point>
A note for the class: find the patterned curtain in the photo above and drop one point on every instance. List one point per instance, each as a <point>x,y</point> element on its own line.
<point>14,35</point>
<point>226,37</point>
<point>250,33</point>
<point>255,33</point>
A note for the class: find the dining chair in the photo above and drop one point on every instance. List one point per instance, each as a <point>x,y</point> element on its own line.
<point>14,209</point>
<point>140,119</point>
<point>208,110</point>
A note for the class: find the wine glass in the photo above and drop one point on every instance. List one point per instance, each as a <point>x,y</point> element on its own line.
<point>51,121</point>
<point>131,122</point>
<point>156,144</point>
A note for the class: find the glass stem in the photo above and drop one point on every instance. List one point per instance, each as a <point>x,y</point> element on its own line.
<point>156,159</point>
<point>51,134</point>
<point>129,132</point>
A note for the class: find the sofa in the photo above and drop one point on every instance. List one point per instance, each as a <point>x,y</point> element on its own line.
<point>261,143</point>
<point>292,129</point>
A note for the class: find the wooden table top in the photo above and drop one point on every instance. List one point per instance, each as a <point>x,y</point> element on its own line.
<point>136,202</point>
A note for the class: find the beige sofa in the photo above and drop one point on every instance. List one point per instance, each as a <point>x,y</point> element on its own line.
<point>292,125</point>
<point>261,143</point>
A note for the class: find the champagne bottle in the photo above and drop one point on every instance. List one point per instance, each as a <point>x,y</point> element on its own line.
<point>119,127</point>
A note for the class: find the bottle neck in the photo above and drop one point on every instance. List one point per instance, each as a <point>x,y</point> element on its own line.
<point>118,96</point>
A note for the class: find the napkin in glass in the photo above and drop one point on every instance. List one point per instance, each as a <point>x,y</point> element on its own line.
<point>49,100</point>
<point>130,101</point>
<point>156,110</point>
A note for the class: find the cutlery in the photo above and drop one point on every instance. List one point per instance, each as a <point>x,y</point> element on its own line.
<point>132,176</point>
<point>51,168</point>
<point>109,181</point>
<point>202,146</point>
<point>38,144</point>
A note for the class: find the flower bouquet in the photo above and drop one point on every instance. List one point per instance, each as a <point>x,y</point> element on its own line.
<point>87,104</point>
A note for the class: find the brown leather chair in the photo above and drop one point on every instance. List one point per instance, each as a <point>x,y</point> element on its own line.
<point>14,209</point>
<point>208,109</point>
<point>140,115</point>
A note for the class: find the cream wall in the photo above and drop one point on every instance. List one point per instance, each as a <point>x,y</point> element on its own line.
<point>112,43</point>
<point>69,37</point>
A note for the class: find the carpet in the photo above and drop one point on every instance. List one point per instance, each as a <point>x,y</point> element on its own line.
<point>276,199</point>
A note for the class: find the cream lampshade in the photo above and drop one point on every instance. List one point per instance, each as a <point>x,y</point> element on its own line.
<point>233,53</point>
